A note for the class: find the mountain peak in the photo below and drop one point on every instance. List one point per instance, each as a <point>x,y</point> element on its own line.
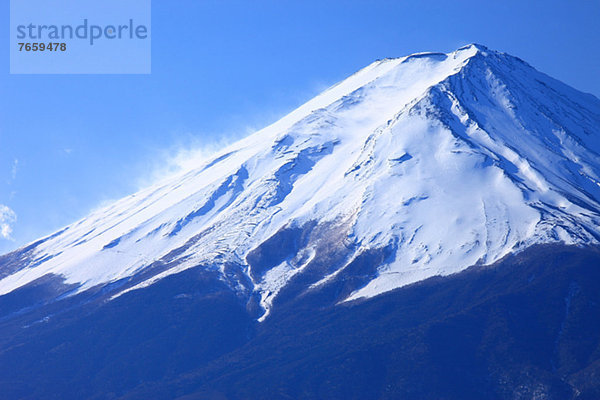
<point>476,46</point>
<point>412,167</point>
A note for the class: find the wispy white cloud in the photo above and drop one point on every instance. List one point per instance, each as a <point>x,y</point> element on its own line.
<point>193,149</point>
<point>190,152</point>
<point>7,220</point>
<point>14,169</point>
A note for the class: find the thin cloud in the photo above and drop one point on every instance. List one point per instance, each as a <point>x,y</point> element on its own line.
<point>7,220</point>
<point>14,169</point>
<point>191,152</point>
<point>194,149</point>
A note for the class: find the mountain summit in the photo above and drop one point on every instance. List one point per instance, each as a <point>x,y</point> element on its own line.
<point>412,167</point>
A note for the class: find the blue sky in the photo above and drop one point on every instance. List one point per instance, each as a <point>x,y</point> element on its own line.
<point>220,69</point>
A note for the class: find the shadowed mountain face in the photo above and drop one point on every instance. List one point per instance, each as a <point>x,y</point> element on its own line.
<point>339,253</point>
<point>526,327</point>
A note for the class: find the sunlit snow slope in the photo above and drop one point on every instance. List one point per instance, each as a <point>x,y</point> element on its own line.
<point>412,167</point>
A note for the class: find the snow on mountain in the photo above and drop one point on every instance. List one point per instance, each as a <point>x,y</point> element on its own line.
<point>418,166</point>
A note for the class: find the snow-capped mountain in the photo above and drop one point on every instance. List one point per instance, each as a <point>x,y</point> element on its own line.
<point>412,167</point>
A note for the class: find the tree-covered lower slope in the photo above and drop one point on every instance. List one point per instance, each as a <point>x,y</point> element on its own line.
<point>527,327</point>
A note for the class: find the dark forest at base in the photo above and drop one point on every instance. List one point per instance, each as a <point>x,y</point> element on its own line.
<point>525,326</point>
